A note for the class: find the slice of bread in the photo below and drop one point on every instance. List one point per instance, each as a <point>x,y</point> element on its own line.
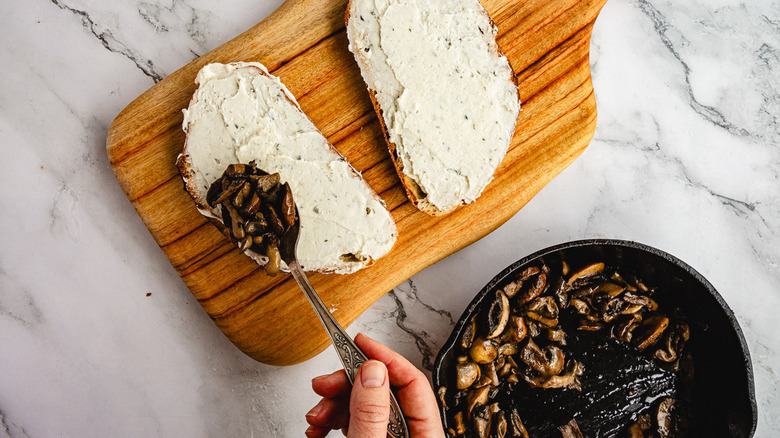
<point>241,113</point>
<point>446,97</point>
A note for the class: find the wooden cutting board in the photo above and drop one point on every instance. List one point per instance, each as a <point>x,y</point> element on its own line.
<point>304,43</point>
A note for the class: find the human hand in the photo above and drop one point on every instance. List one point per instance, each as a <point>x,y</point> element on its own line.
<point>363,410</point>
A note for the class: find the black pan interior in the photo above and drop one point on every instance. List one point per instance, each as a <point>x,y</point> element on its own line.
<point>723,391</point>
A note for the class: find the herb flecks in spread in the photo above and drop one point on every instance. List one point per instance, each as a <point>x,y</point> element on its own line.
<point>257,209</point>
<point>241,113</point>
<point>446,95</point>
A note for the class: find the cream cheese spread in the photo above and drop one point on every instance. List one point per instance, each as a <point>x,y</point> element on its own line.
<point>446,95</point>
<point>240,113</point>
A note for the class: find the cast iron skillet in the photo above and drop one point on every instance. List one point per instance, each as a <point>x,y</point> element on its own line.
<point>724,397</point>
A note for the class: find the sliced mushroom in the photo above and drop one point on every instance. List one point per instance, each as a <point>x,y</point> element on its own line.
<point>466,374</point>
<point>476,397</point>
<point>490,371</point>
<point>237,170</point>
<point>584,308</point>
<point>569,379</point>
<point>273,220</point>
<point>533,356</point>
<point>611,309</point>
<point>506,350</point>
<point>228,189</point>
<point>617,278</point>
<point>582,292</point>
<point>267,182</point>
<point>518,428</point>
<point>546,362</point>
<point>571,430</point>
<point>533,328</point>
<point>483,351</point>
<point>500,360</point>
<point>673,342</point>
<point>253,206</point>
<point>497,315</point>
<point>468,334</point>
<point>555,335</point>
<point>560,291</point>
<point>241,195</point>
<point>274,260</point>
<point>511,289</point>
<point>623,328</point>
<point>610,289</point>
<point>641,286</point>
<point>649,330</point>
<point>664,417</point>
<point>587,272</point>
<point>547,322</point>
<point>516,330</point>
<point>481,427</point>
<point>534,291</point>
<point>544,306</point>
<point>590,326</point>
<point>505,370</point>
<point>288,207</point>
<point>528,273</point>
<point>641,300</point>
<point>460,425</point>
<point>500,425</point>
<point>555,360</point>
<point>236,227</point>
<point>442,394</point>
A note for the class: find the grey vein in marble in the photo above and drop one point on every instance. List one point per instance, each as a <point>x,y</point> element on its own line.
<point>160,15</point>
<point>106,37</point>
<point>406,295</point>
<point>17,301</point>
<point>721,23</point>
<point>11,429</point>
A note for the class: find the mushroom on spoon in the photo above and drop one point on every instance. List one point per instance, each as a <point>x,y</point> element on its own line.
<point>261,216</point>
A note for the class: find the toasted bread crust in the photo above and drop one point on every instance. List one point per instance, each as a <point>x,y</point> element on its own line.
<point>413,191</point>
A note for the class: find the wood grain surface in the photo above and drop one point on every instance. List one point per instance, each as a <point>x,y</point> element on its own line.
<point>304,43</point>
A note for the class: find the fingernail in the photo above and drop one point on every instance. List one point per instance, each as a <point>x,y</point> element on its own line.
<point>315,410</point>
<point>310,431</point>
<point>372,374</point>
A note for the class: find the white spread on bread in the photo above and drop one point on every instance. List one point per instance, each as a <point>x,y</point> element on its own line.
<point>447,96</point>
<point>240,113</point>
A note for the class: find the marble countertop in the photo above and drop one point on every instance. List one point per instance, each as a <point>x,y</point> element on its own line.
<point>100,337</point>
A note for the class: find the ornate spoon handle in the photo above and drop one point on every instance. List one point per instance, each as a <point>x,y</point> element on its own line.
<point>351,356</point>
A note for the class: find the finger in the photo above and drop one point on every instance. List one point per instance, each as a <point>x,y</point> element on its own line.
<point>369,407</point>
<point>316,432</point>
<point>415,394</point>
<point>330,413</point>
<point>332,385</point>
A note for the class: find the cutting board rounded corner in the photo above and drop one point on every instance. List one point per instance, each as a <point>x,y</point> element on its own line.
<point>547,43</point>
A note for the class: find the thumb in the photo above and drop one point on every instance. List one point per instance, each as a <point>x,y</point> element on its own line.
<point>369,407</point>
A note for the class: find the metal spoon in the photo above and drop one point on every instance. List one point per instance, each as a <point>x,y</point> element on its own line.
<point>351,356</point>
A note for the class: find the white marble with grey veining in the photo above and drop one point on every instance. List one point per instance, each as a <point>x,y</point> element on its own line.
<point>686,158</point>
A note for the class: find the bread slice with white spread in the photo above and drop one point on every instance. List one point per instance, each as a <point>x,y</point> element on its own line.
<point>445,95</point>
<point>241,113</point>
